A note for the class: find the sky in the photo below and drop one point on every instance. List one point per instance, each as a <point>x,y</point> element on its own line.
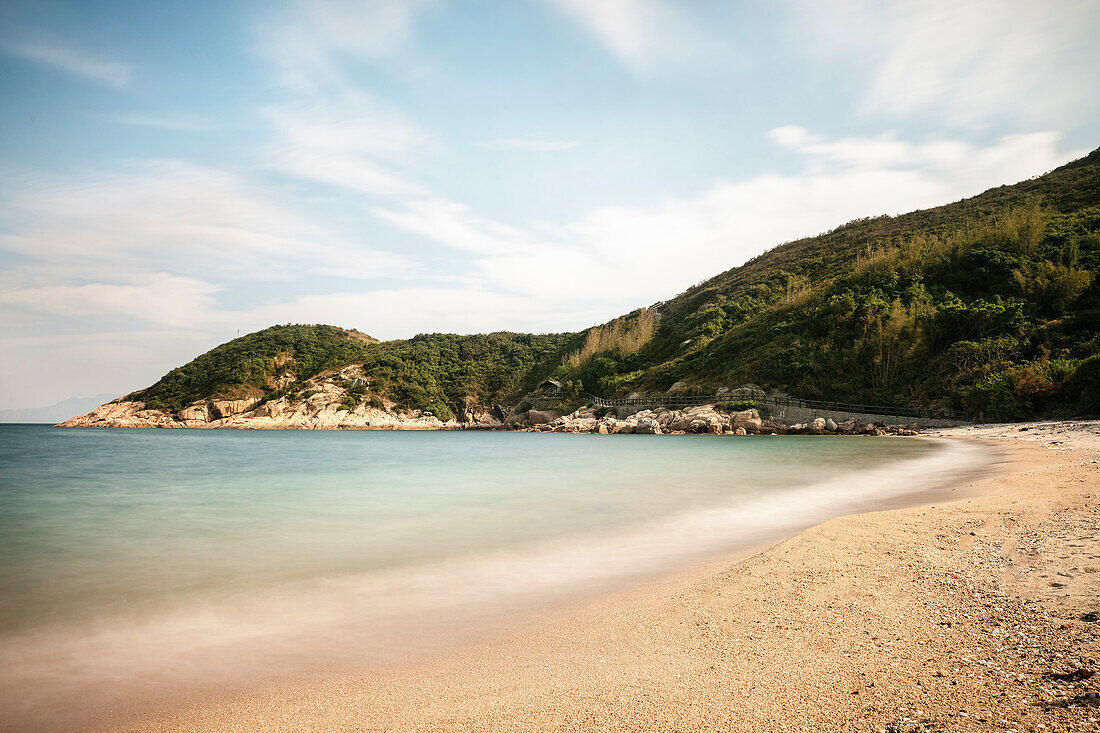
<point>174,173</point>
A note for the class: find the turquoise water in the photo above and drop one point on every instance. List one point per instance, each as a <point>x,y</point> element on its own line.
<point>344,547</point>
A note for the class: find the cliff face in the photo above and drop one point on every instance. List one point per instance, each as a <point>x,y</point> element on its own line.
<point>325,402</point>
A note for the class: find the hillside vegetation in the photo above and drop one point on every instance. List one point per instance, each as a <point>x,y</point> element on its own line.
<point>438,372</point>
<point>989,306</point>
<point>255,364</point>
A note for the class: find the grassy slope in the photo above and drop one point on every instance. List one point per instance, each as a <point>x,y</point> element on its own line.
<point>989,305</point>
<point>961,305</point>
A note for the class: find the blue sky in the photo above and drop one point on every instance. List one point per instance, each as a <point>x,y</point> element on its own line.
<point>171,173</point>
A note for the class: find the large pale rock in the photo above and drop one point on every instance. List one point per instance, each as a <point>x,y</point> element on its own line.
<point>542,417</point>
<point>817,426</point>
<point>747,419</point>
<point>667,417</point>
<point>194,413</point>
<point>648,426</point>
<point>680,421</point>
<point>272,408</point>
<point>129,414</point>
<point>583,424</point>
<point>228,408</point>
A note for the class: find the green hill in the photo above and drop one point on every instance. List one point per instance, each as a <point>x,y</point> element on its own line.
<point>433,371</point>
<point>990,306</point>
<point>253,365</point>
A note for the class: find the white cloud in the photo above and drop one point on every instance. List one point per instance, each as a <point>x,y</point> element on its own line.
<point>168,216</point>
<point>177,124</point>
<point>534,145</point>
<point>326,127</point>
<point>73,60</point>
<point>161,299</point>
<point>617,258</point>
<point>455,225</point>
<point>348,140</point>
<point>307,40</point>
<point>968,62</point>
<point>643,34</point>
<point>1012,158</point>
<point>684,241</point>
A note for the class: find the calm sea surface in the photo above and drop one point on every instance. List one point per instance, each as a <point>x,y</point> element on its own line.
<point>145,555</point>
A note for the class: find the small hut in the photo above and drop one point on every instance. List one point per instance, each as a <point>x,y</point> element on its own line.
<point>549,388</point>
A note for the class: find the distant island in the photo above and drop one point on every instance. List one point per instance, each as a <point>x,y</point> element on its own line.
<point>988,308</point>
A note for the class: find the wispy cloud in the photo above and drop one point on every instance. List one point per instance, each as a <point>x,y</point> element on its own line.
<point>347,139</point>
<point>326,126</point>
<point>644,35</point>
<point>306,40</point>
<point>968,63</point>
<point>528,144</point>
<point>174,217</point>
<point>604,260</point>
<point>162,299</point>
<point>73,60</point>
<point>177,124</point>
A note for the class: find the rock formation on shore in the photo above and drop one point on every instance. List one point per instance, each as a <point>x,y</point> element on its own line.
<point>323,402</point>
<point>700,419</point>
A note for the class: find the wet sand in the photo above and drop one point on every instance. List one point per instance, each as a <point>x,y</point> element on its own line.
<point>948,617</point>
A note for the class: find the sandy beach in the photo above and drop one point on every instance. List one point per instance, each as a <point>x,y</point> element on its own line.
<point>975,615</point>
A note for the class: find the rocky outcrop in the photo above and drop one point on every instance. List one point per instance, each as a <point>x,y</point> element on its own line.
<point>220,409</point>
<point>321,403</point>
<point>324,403</point>
<point>701,419</point>
<point>123,414</point>
<point>542,417</point>
<point>195,414</point>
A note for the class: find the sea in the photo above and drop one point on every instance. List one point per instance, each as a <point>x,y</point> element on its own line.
<point>137,566</point>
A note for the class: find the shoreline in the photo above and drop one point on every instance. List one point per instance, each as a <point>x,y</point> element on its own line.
<point>209,645</point>
<point>926,625</point>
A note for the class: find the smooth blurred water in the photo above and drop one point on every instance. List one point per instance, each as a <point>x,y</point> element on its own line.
<point>92,521</point>
<point>114,542</point>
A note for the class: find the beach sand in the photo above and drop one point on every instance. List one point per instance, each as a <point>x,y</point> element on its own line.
<point>948,617</point>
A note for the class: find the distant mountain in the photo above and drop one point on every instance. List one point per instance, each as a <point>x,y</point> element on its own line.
<point>53,414</point>
<point>989,306</point>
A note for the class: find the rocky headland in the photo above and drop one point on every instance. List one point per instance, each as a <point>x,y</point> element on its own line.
<point>325,402</point>
<point>331,402</point>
